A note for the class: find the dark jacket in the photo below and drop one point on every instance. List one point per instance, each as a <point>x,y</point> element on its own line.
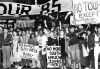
<point>73,40</point>
<point>1,40</point>
<point>7,40</point>
<point>91,41</point>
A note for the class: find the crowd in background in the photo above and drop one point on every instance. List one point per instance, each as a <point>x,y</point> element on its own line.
<point>72,40</point>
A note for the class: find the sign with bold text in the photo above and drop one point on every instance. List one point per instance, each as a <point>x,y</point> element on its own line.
<point>86,11</point>
<point>53,56</point>
<point>28,51</point>
<point>10,9</point>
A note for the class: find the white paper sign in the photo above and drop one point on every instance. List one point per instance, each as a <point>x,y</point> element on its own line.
<point>53,56</point>
<point>86,11</point>
<point>28,51</point>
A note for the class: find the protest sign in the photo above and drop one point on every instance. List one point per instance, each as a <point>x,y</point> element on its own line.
<point>28,51</point>
<point>86,11</point>
<point>53,56</point>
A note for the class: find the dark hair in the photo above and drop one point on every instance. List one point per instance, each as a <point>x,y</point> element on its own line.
<point>1,27</point>
<point>71,27</point>
<point>84,33</point>
<point>31,35</point>
<point>41,32</point>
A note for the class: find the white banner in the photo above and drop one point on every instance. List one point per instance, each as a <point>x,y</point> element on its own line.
<point>12,9</point>
<point>53,56</point>
<point>27,51</point>
<point>87,11</point>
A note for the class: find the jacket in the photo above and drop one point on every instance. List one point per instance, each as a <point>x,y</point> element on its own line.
<point>7,41</point>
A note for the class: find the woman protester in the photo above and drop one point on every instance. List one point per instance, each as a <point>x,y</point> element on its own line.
<point>62,44</point>
<point>52,40</point>
<point>33,41</point>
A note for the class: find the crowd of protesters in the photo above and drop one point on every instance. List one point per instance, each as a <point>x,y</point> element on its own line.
<point>72,40</point>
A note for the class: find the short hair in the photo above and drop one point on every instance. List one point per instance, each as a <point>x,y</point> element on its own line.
<point>1,27</point>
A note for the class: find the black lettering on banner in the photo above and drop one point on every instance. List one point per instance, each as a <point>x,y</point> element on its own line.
<point>90,6</point>
<point>95,6</point>
<point>45,8</point>
<point>25,11</point>
<point>5,8</point>
<point>18,9</point>
<point>79,7</point>
<point>10,9</point>
<point>56,5</point>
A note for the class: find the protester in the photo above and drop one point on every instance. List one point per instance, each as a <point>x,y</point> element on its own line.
<point>52,40</point>
<point>23,39</point>
<point>6,43</point>
<point>62,44</point>
<point>1,40</point>
<point>15,38</point>
<point>74,48</point>
<point>91,44</point>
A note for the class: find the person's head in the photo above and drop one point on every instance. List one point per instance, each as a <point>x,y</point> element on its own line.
<point>66,30</point>
<point>80,27</point>
<point>89,32</point>
<point>23,32</point>
<point>5,31</point>
<point>84,35</point>
<point>36,33</point>
<point>52,35</point>
<point>53,28</point>
<point>39,27</point>
<point>11,29</point>
<point>61,34</point>
<point>72,29</point>
<point>41,32</point>
<point>14,33</point>
<point>32,35</point>
<point>98,29</point>
<point>1,29</point>
<point>19,32</point>
<point>27,32</point>
<point>30,31</point>
<point>46,31</point>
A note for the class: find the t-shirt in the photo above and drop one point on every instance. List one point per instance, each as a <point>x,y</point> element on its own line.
<point>43,43</point>
<point>73,40</point>
<point>52,41</point>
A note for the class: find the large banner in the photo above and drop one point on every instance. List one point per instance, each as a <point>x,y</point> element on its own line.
<point>12,9</point>
<point>86,11</point>
<point>53,56</point>
<point>27,51</point>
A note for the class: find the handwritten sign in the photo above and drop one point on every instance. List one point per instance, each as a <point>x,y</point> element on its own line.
<point>86,11</point>
<point>53,56</point>
<point>28,51</point>
<point>12,9</point>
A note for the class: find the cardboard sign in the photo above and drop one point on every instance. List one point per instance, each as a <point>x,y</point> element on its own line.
<point>16,9</point>
<point>53,56</point>
<point>28,51</point>
<point>86,11</point>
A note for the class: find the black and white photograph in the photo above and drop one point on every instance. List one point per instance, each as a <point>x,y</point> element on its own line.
<point>49,34</point>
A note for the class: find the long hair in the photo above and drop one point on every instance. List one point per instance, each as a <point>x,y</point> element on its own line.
<point>31,35</point>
